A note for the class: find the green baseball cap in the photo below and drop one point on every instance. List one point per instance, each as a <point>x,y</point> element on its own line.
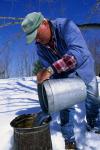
<point>30,25</point>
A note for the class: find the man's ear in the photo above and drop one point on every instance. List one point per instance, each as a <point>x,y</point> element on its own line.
<point>45,22</point>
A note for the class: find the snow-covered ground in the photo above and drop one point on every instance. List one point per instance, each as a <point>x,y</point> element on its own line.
<point>19,96</point>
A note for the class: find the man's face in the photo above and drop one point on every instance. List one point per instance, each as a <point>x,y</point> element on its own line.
<point>43,33</point>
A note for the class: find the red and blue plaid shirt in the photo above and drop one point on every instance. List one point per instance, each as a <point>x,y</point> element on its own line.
<point>66,63</point>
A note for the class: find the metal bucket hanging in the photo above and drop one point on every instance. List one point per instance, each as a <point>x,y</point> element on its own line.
<point>58,94</point>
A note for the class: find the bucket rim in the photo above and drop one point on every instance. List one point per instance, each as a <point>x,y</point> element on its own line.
<point>28,128</point>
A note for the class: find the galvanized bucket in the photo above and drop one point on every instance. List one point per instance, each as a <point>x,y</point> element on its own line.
<point>58,94</point>
<point>28,135</point>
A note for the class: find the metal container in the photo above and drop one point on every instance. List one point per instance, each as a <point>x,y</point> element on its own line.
<point>28,135</point>
<point>58,94</point>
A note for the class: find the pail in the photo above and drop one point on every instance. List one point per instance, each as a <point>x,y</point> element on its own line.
<point>58,94</point>
<point>28,135</point>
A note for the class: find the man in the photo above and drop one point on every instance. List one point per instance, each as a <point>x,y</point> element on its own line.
<point>63,53</point>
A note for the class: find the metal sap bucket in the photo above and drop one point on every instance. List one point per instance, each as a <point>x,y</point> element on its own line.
<point>58,94</point>
<point>29,135</point>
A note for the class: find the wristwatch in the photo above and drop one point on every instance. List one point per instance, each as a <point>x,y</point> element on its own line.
<point>49,69</point>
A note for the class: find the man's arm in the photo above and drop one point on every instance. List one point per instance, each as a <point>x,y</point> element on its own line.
<point>76,44</point>
<point>75,55</point>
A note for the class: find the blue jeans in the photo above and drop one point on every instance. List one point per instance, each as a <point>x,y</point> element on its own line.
<point>92,103</point>
<point>71,120</point>
<point>92,110</point>
<point>67,125</point>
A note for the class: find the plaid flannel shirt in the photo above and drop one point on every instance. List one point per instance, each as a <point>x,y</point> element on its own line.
<point>66,63</point>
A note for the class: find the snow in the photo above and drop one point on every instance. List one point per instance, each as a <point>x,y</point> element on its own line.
<point>19,96</point>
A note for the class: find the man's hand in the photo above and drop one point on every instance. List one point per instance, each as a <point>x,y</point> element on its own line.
<point>43,75</point>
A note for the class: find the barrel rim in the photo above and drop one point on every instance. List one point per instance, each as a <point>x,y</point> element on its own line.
<point>29,128</point>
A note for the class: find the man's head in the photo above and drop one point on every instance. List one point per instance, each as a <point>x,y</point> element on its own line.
<point>36,28</point>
